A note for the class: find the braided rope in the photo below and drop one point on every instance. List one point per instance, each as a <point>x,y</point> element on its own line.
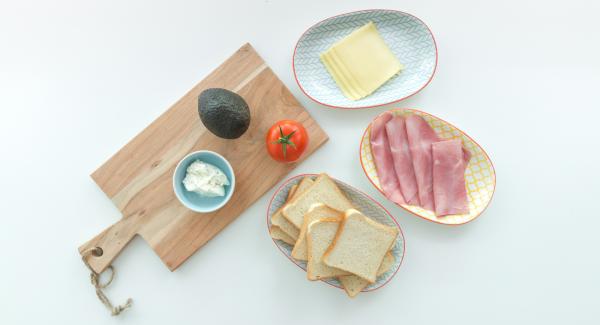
<point>95,279</point>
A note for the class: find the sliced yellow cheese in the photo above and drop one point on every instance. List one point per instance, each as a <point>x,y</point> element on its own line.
<point>341,76</point>
<point>361,62</point>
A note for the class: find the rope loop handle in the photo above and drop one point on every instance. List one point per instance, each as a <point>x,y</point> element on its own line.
<point>95,280</point>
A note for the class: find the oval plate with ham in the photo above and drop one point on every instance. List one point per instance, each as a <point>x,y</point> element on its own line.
<point>362,202</point>
<point>480,176</point>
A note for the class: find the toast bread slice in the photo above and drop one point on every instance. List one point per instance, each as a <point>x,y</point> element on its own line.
<point>277,233</point>
<point>319,236</point>
<point>316,211</point>
<point>324,190</point>
<point>360,245</point>
<point>277,218</point>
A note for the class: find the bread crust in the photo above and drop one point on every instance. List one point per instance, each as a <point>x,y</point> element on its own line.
<point>291,192</point>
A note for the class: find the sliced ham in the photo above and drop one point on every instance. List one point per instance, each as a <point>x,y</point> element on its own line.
<point>382,156</point>
<point>420,137</point>
<point>403,164</point>
<point>449,190</point>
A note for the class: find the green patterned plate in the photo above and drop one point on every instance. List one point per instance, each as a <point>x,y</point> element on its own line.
<point>406,35</point>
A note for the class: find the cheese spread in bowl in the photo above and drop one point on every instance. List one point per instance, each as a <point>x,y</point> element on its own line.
<point>203,181</point>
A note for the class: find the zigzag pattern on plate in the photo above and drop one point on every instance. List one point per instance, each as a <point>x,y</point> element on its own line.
<point>408,38</point>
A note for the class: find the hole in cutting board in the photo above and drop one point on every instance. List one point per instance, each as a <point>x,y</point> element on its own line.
<point>98,252</point>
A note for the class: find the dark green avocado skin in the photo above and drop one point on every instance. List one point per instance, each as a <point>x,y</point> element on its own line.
<point>224,113</point>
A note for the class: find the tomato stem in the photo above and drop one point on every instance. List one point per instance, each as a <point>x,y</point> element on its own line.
<point>284,140</point>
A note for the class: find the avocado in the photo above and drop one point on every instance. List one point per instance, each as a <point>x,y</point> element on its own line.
<point>224,113</point>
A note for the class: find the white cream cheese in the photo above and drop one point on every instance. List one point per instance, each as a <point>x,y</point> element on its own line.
<point>205,179</point>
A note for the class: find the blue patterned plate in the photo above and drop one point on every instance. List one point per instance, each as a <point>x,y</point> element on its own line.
<point>406,35</point>
<point>363,203</point>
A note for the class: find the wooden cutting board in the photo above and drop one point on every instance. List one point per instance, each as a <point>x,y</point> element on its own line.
<point>138,178</point>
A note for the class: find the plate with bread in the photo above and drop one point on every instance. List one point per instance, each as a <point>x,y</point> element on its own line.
<point>336,233</point>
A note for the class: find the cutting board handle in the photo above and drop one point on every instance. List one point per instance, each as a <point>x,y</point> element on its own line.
<point>111,241</point>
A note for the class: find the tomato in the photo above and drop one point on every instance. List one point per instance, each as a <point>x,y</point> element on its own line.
<point>287,140</point>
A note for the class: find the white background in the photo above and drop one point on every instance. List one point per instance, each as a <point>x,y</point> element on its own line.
<point>78,79</point>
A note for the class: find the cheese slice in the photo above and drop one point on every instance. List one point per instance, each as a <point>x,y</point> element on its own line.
<point>361,62</point>
<point>351,91</point>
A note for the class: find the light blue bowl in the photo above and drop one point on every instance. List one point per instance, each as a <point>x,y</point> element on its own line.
<point>408,37</point>
<point>195,201</point>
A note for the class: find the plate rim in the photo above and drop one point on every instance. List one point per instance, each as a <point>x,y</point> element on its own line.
<point>285,182</point>
<point>461,131</point>
<point>367,106</point>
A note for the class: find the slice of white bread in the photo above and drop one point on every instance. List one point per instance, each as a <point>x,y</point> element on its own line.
<point>277,218</point>
<point>353,284</point>
<point>277,233</point>
<point>285,226</point>
<point>304,185</point>
<point>319,237</point>
<point>360,245</point>
<point>324,190</point>
<point>291,192</point>
<point>315,212</point>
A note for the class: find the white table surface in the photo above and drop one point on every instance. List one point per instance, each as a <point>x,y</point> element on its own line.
<point>78,79</point>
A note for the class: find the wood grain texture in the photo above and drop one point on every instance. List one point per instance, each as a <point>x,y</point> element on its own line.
<point>138,178</point>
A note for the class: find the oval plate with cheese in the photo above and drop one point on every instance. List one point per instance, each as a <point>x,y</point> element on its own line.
<point>408,38</point>
<point>480,176</point>
<point>363,203</point>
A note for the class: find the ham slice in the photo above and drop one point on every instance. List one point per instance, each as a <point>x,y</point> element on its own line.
<point>382,156</point>
<point>449,190</point>
<point>420,137</point>
<point>403,164</point>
